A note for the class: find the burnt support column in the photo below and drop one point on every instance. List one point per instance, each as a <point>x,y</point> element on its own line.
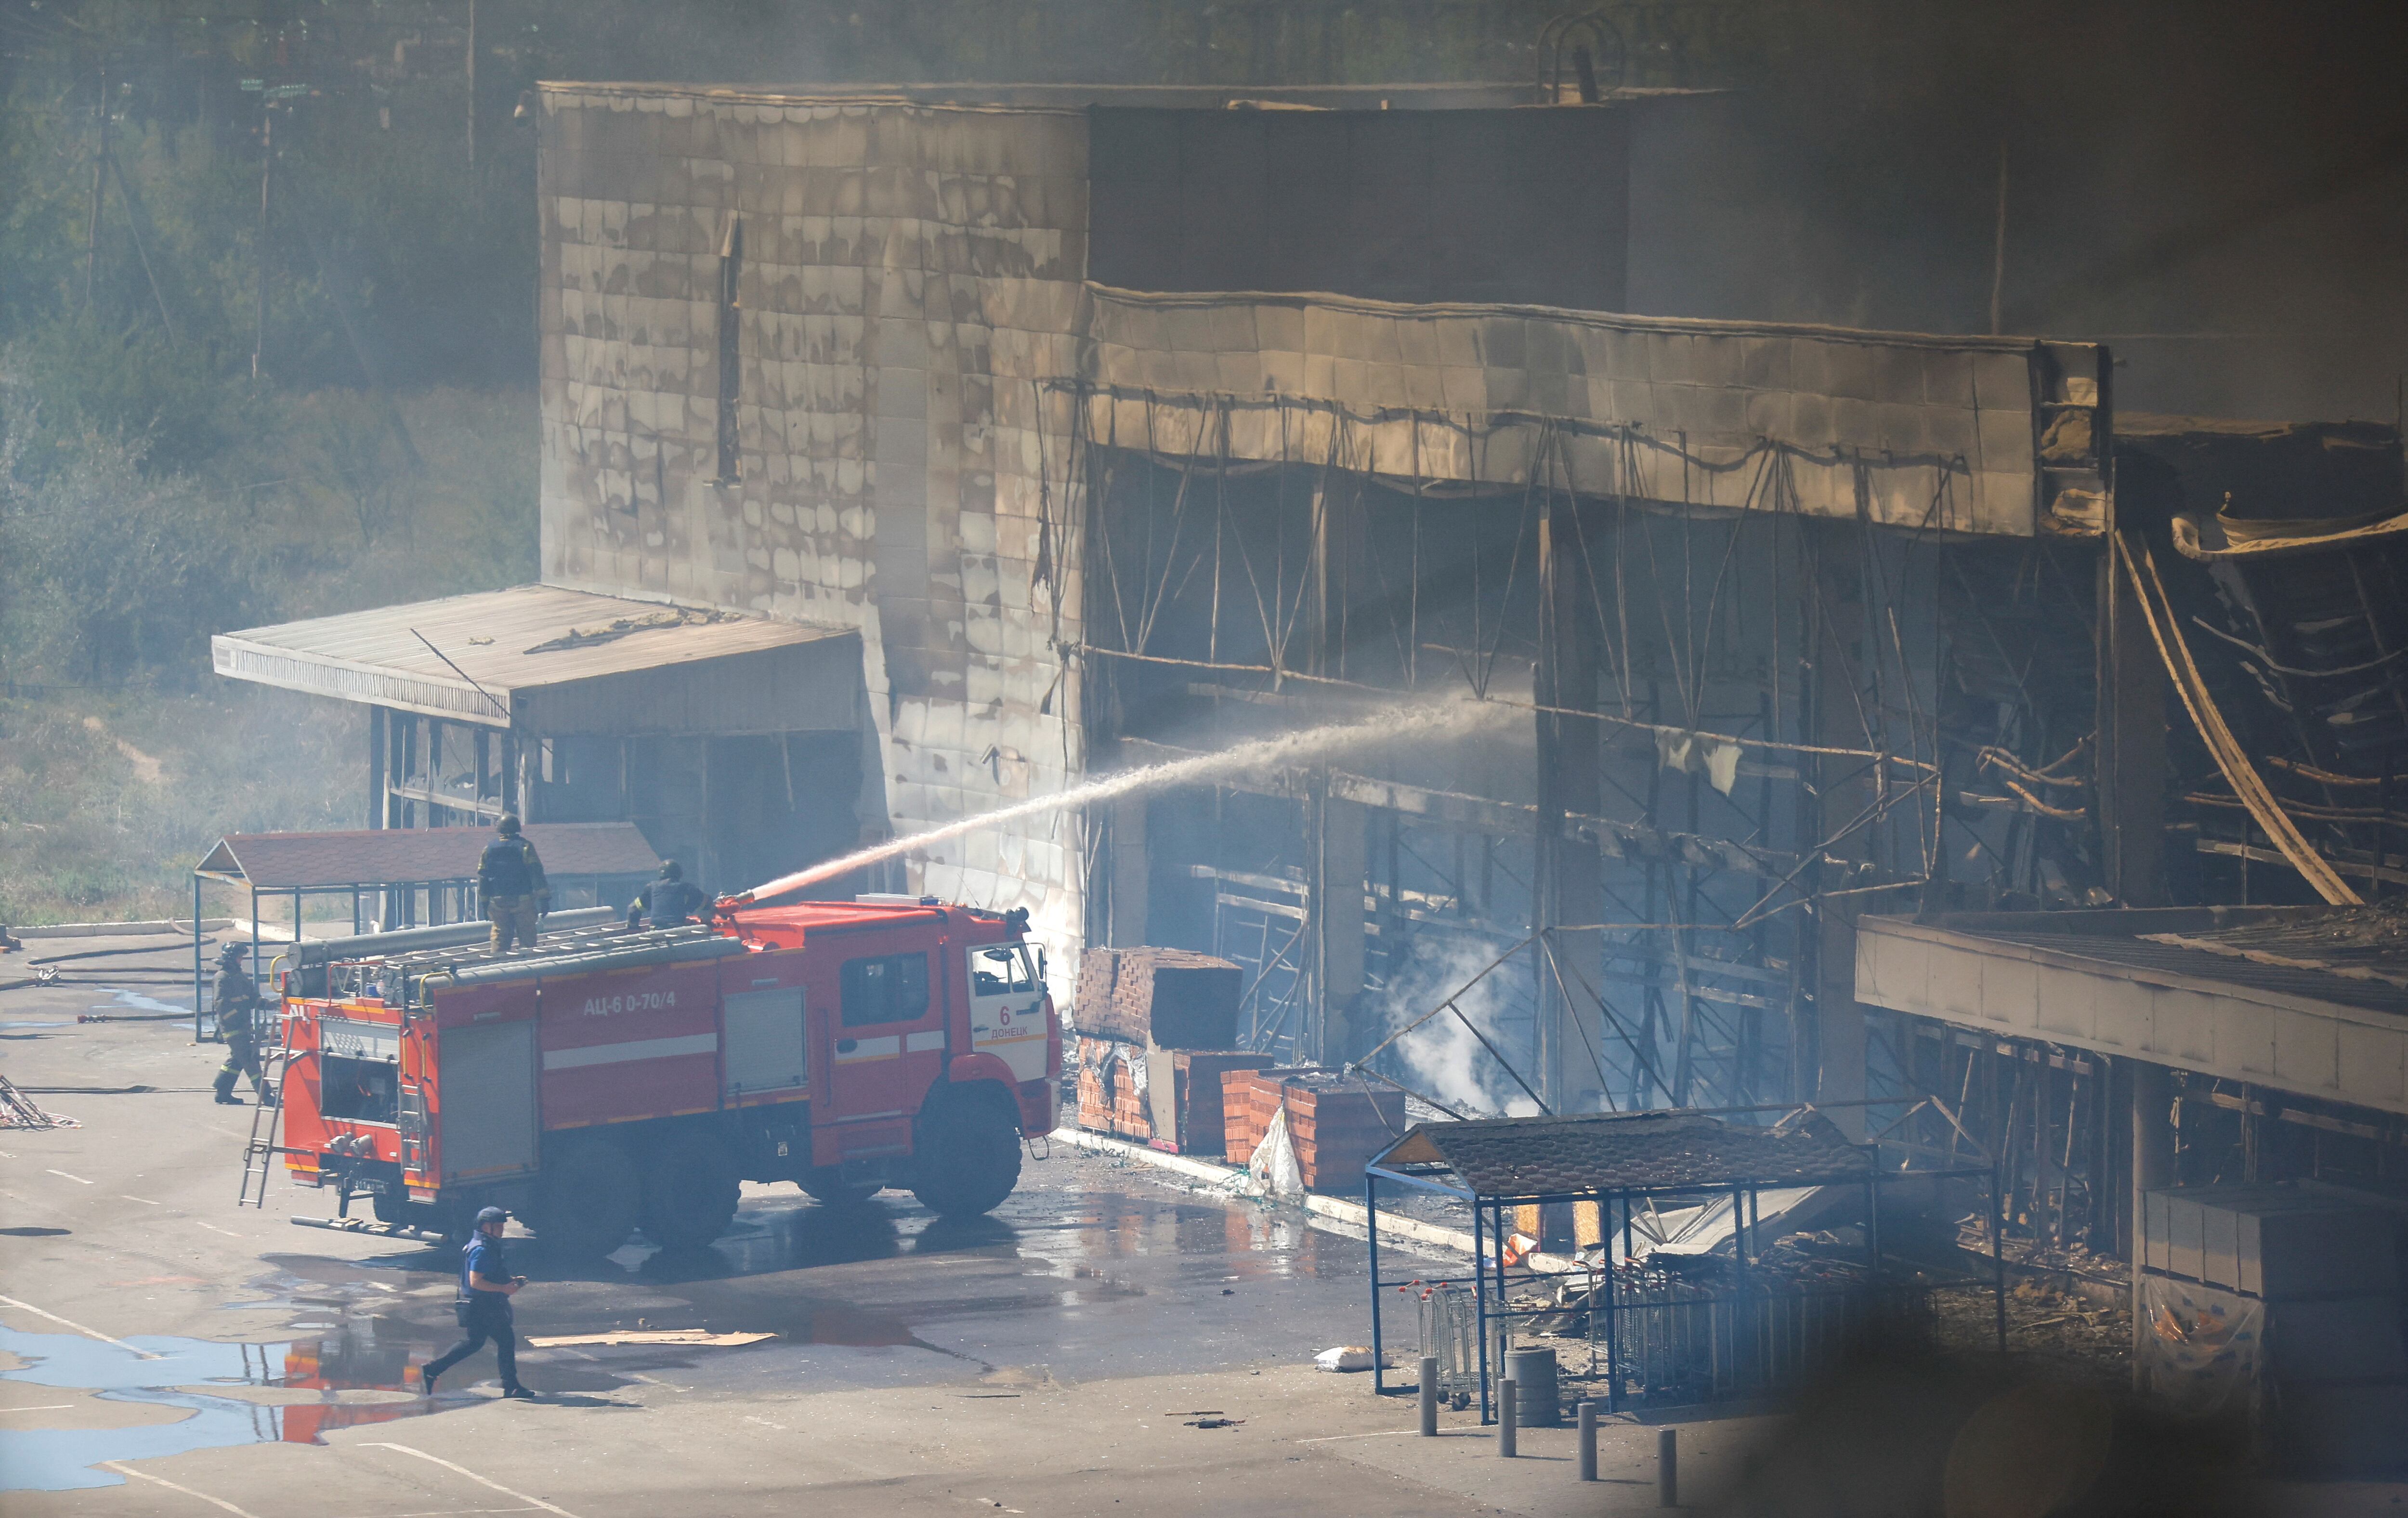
<point>1130,869</point>
<point>1341,855</point>
<point>1844,786</point>
<point>1571,889</point>
<point>2130,763</point>
<point>2151,1112</point>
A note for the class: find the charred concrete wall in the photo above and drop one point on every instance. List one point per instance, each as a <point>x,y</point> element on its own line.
<point>836,361</point>
<point>876,462</point>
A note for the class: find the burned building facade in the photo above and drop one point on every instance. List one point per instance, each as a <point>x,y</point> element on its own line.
<point>1052,432</point>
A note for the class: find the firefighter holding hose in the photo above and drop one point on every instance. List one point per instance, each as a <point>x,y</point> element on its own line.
<point>510,883</point>
<point>667,902</point>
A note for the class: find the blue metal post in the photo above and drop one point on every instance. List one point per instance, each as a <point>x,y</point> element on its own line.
<point>1613,1305</point>
<point>1479,1303</point>
<point>197,956</point>
<point>1372,1228</point>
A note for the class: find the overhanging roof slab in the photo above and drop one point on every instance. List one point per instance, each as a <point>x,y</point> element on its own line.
<point>550,662</point>
<point>402,857</point>
<point>2109,982</point>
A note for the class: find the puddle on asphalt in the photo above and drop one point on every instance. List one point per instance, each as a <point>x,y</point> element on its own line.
<point>135,1000</point>
<point>178,1376</point>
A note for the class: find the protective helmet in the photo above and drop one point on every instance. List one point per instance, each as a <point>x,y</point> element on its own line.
<point>233,952</point>
<point>508,825</point>
<point>672,870</point>
<point>493,1214</point>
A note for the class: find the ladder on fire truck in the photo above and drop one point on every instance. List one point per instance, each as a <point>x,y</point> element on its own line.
<point>259,1152</point>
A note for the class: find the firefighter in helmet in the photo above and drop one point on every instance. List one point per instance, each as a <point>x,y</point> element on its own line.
<point>668,901</point>
<point>238,1004</point>
<point>510,883</point>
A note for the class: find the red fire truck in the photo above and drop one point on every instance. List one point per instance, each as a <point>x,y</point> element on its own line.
<point>613,1079</point>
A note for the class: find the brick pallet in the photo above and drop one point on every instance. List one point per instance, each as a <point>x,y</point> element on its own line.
<point>1335,1124</point>
<point>1110,1102</point>
<point>1169,998</point>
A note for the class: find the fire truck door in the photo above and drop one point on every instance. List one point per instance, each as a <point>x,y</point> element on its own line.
<point>763,1047</point>
<point>888,1035</point>
<point>486,1100</point>
<point>1008,1008</point>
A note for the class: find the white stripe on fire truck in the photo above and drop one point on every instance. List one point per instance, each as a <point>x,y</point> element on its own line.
<point>920,1043</point>
<point>618,1054</point>
<point>885,1048</point>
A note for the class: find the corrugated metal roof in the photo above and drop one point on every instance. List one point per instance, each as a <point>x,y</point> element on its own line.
<point>1557,1156</point>
<point>504,643</point>
<point>396,857</point>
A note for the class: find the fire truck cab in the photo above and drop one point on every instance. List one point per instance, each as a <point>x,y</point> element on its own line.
<point>612,1080</point>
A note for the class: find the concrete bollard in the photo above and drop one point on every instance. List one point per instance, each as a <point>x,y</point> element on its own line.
<point>1505,1419</point>
<point>1668,1468</point>
<point>1586,1413</point>
<point>1429,1396</point>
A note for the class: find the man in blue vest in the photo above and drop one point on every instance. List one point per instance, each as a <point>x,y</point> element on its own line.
<point>667,902</point>
<point>483,1307</point>
<point>510,883</point>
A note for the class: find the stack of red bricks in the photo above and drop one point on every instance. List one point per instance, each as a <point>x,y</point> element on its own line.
<point>1334,1121</point>
<point>1173,1012</point>
<point>1109,1100</point>
<point>1171,999</point>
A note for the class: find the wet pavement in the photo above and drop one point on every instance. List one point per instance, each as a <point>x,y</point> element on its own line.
<point>1094,1268</point>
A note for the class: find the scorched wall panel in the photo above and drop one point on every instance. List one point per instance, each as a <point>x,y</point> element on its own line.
<point>889,469</point>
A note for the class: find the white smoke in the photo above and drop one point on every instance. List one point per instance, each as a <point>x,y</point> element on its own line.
<point>1441,1058</point>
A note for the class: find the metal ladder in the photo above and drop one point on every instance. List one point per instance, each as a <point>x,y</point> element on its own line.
<point>261,1150</point>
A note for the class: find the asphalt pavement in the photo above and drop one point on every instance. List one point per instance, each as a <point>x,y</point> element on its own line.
<point>1113,1339</point>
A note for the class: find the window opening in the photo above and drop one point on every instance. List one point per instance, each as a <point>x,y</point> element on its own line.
<point>891,988</point>
<point>1001,971</point>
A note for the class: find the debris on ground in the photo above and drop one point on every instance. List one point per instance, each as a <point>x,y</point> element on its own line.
<point>652,1335</point>
<point>2087,1338</point>
<point>1344,1358</point>
<point>18,1110</point>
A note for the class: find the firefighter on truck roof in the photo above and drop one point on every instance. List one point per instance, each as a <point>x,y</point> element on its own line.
<point>668,901</point>
<point>510,883</point>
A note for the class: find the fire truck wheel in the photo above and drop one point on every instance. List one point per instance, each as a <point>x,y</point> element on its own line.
<point>967,1159</point>
<point>585,1203</point>
<point>690,1193</point>
<point>826,1184</point>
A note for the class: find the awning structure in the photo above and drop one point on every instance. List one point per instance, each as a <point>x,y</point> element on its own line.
<point>2245,993</point>
<point>1725,1306</point>
<point>550,662</point>
<point>1534,1157</point>
<point>408,856</point>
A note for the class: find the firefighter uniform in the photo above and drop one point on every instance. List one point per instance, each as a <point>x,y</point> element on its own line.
<point>510,883</point>
<point>668,901</point>
<point>237,1004</point>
